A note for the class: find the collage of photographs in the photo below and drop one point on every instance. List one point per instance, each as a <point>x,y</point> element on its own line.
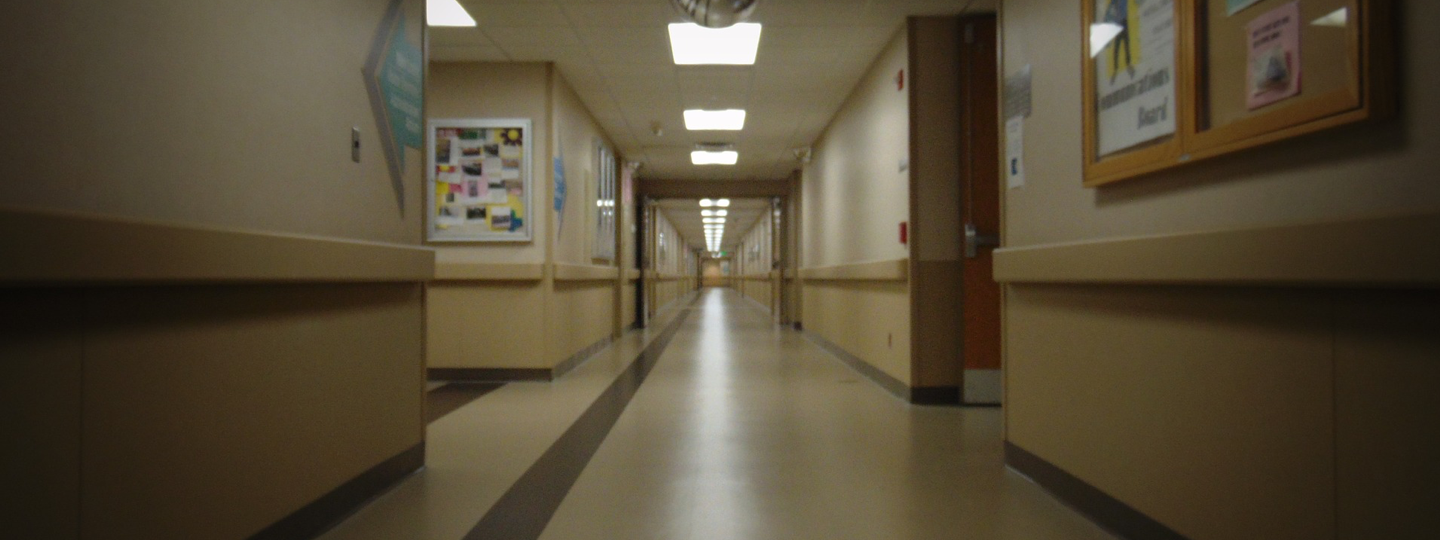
<point>479,179</point>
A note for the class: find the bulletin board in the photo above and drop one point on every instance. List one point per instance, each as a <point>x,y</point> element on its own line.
<point>480,180</point>
<point>1246,73</point>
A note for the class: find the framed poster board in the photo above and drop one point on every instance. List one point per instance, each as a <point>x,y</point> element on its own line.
<point>1277,69</point>
<point>1246,73</point>
<point>1134,72</point>
<point>480,180</point>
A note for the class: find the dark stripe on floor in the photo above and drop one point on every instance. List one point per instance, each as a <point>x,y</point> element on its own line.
<point>445,399</point>
<point>524,511</point>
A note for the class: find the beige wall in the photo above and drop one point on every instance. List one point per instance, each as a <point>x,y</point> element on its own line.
<point>580,313</point>
<point>677,267</point>
<point>854,195</point>
<point>755,262</point>
<point>1225,411</point>
<point>184,410</point>
<point>1380,169</point>
<point>548,321</point>
<point>461,328</point>
<point>499,90</point>
<point>202,112</point>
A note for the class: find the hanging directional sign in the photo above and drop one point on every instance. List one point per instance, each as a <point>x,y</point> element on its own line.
<point>394,77</point>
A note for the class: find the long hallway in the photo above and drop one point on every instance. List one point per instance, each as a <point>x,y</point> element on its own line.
<point>742,429</point>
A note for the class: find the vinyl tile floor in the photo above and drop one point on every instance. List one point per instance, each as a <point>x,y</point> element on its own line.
<point>742,429</point>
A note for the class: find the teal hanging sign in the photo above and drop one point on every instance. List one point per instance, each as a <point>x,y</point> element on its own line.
<point>401,81</point>
<point>395,79</point>
<point>560,191</point>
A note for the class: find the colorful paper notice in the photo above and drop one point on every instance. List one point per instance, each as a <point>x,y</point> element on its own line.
<point>494,192</point>
<point>1274,73</point>
<point>500,218</point>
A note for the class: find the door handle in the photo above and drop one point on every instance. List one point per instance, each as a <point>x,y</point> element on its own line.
<point>974,241</point>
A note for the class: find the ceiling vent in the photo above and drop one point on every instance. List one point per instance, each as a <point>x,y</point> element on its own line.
<point>715,146</point>
<point>716,13</point>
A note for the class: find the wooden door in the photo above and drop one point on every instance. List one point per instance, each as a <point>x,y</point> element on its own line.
<point>980,210</point>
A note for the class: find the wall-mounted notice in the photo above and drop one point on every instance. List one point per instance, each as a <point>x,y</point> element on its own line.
<point>1133,42</point>
<point>1017,93</point>
<point>478,194</point>
<point>1015,152</point>
<point>1274,73</point>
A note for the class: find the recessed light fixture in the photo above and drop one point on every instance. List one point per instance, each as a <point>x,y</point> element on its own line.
<point>723,120</point>
<point>707,202</point>
<point>707,213</point>
<point>447,13</point>
<point>722,213</point>
<point>714,220</point>
<point>723,203</point>
<point>701,157</point>
<point>692,44</point>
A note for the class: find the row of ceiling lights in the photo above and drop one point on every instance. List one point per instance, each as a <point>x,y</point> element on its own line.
<point>714,214</point>
<point>690,45</point>
<point>735,45</point>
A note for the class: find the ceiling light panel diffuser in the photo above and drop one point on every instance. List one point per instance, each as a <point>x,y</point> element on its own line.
<point>723,120</point>
<point>701,157</point>
<point>447,13</point>
<point>694,45</point>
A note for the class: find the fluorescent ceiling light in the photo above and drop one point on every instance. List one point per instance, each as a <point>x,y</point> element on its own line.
<point>692,44</point>
<point>701,157</point>
<point>707,202</point>
<point>726,120</point>
<point>707,213</point>
<point>447,13</point>
<point>722,213</point>
<point>714,220</point>
<point>723,203</point>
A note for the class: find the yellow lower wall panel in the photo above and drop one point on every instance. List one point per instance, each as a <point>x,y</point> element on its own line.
<point>757,290</point>
<point>582,314</point>
<point>486,325</point>
<point>1208,409</point>
<point>627,304</point>
<point>212,412</point>
<point>1387,350</point>
<point>41,347</point>
<point>869,319</point>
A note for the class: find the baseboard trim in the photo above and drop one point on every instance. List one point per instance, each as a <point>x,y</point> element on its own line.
<point>1106,511</point>
<point>489,374</point>
<point>578,358</point>
<point>890,384</point>
<point>330,509</point>
<point>984,387</point>
<point>935,395</point>
<point>519,374</point>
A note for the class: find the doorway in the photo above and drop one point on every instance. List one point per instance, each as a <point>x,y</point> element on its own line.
<point>980,211</point>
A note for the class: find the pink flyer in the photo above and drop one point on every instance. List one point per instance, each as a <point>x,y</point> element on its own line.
<point>1274,67</point>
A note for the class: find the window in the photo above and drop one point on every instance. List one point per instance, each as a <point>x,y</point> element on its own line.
<point>604,247</point>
